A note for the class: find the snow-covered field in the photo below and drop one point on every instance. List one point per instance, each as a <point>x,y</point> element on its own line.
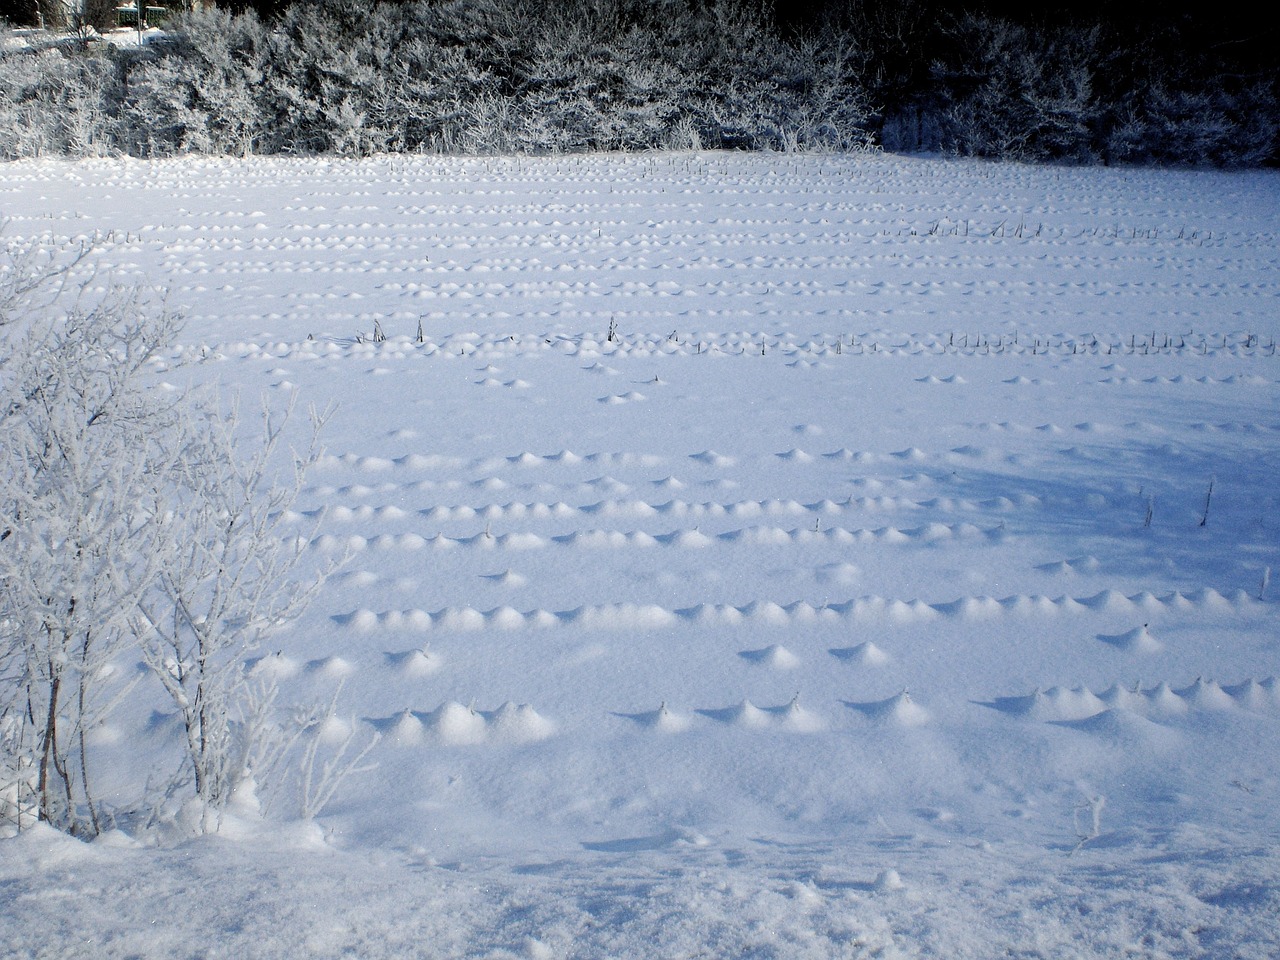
<point>755,556</point>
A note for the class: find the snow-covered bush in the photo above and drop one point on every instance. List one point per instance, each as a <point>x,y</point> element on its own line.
<point>1010,92</point>
<point>203,94</point>
<point>82,444</point>
<point>491,76</point>
<point>133,523</point>
<point>228,574</point>
<point>1218,126</point>
<point>57,102</point>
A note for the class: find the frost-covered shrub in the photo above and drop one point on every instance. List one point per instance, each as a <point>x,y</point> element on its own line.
<point>132,524</point>
<point>1013,93</point>
<point>588,91</point>
<point>1213,126</point>
<point>81,446</point>
<point>1010,90</point>
<point>532,76</point>
<point>57,102</point>
<point>203,93</point>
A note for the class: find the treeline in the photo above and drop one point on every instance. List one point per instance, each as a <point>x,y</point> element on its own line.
<point>504,76</point>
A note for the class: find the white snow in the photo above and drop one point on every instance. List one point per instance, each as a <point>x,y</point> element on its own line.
<point>752,558</point>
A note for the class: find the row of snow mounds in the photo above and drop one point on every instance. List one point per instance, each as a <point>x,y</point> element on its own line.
<point>744,714</point>
<point>689,539</point>
<point>1108,601</point>
<point>1248,379</point>
<point>414,662</point>
<point>623,343</point>
<point>741,509</point>
<point>438,462</point>
<point>1057,705</point>
<point>639,616</point>
<point>453,724</point>
<point>790,716</point>
<point>1145,427</point>
<point>491,483</point>
<point>1061,704</point>
<point>466,619</point>
<point>899,710</point>
<point>675,507</point>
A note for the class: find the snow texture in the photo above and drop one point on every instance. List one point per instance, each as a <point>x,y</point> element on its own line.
<point>754,556</point>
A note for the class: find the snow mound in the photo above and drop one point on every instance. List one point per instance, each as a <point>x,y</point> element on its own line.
<point>796,718</point>
<point>1137,640</point>
<point>453,724</point>
<point>333,668</point>
<point>419,662</point>
<point>517,723</point>
<point>789,717</point>
<point>865,654</point>
<point>1206,695</point>
<point>1056,704</point>
<point>1255,694</point>
<point>663,720</point>
<point>899,710</point>
<point>273,666</point>
<point>1126,729</point>
<point>775,656</point>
